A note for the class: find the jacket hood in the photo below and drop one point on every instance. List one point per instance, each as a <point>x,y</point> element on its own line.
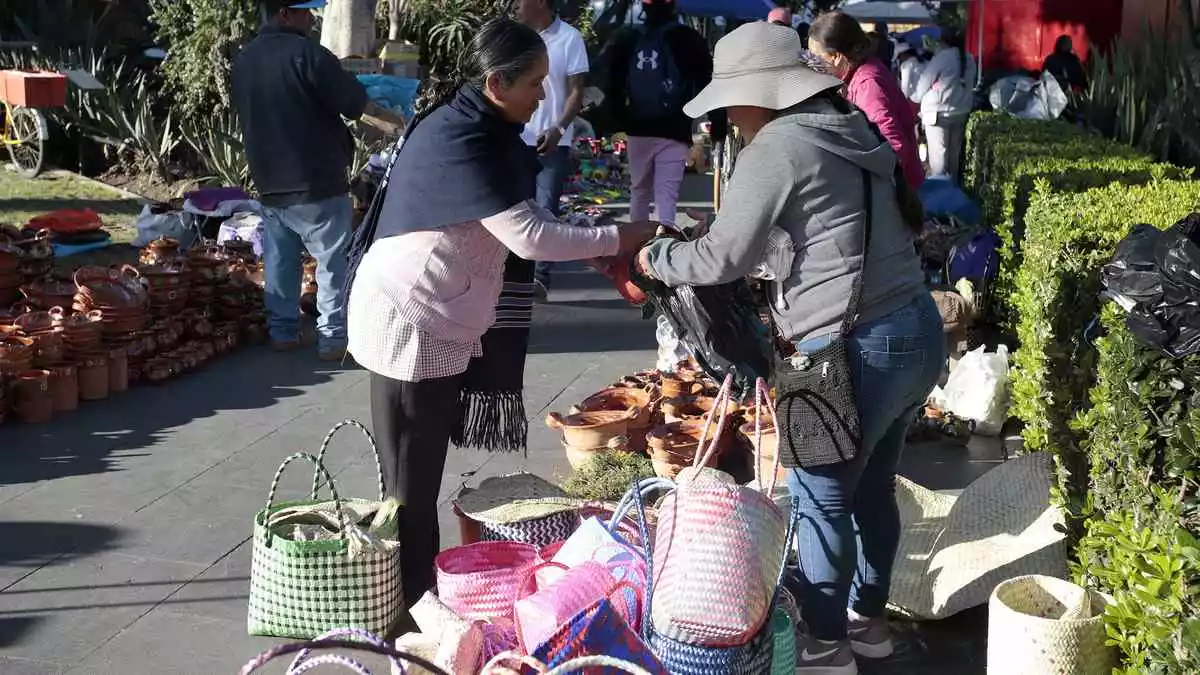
<point>846,135</point>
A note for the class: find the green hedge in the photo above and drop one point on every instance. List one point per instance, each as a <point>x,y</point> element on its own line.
<point>1013,155</point>
<point>1069,237</point>
<point>1121,421</point>
<point>1141,437</point>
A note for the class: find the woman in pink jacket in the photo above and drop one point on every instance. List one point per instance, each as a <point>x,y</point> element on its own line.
<point>870,85</point>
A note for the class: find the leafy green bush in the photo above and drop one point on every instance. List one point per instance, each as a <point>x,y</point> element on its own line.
<point>1143,508</point>
<point>1069,237</point>
<point>201,38</point>
<point>1010,155</point>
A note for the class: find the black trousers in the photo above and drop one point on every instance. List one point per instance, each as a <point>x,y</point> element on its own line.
<point>412,423</point>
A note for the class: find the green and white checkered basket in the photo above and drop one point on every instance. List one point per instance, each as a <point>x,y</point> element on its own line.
<point>302,589</point>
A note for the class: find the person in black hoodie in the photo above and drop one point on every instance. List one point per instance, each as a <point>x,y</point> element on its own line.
<point>655,70</point>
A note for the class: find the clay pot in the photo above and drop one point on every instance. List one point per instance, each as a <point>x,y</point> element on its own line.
<point>118,369</point>
<point>592,429</point>
<point>694,408</point>
<point>157,371</point>
<point>32,401</point>
<point>674,386</point>
<point>770,442</point>
<point>49,347</point>
<point>48,293</point>
<point>644,400</point>
<point>160,251</point>
<point>16,355</point>
<point>93,376</point>
<point>64,386</point>
<point>673,446</point>
<point>579,456</point>
<point>37,322</point>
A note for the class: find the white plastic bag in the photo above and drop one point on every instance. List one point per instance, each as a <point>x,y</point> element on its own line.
<point>671,350</point>
<point>978,389</point>
<point>151,226</point>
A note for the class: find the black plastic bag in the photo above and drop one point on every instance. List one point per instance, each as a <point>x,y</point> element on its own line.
<point>1155,276</point>
<point>1133,273</point>
<point>719,325</point>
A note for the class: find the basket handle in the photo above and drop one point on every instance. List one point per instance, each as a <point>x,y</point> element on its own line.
<point>290,648</point>
<point>762,398</point>
<point>625,506</point>
<point>320,468</point>
<point>721,411</point>
<point>325,446</point>
<point>493,666</point>
<point>531,574</point>
<point>584,663</point>
<point>303,663</point>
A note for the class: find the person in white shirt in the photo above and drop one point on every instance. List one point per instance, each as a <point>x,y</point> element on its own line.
<point>946,92</point>
<point>911,67</point>
<point>551,130</point>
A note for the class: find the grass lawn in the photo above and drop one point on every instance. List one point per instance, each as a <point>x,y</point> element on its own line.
<point>22,199</point>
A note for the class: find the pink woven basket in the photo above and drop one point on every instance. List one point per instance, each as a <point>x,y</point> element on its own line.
<point>539,614</point>
<point>480,581</point>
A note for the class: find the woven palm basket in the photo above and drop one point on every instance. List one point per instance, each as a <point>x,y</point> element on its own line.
<point>1045,626</point>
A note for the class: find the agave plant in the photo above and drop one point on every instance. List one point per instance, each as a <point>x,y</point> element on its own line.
<point>1147,93</point>
<point>218,143</point>
<point>443,28</point>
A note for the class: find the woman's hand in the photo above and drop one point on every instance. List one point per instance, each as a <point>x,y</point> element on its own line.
<point>642,263</point>
<point>633,235</point>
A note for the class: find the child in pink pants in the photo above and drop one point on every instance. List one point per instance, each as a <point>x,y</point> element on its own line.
<point>656,171</point>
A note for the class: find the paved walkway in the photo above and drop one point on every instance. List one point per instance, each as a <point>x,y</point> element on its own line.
<point>124,527</point>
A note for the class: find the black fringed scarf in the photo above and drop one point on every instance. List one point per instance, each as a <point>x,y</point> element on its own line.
<point>465,162</point>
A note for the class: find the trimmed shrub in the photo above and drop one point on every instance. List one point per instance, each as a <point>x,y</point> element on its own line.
<point>1069,237</point>
<point>1143,509</point>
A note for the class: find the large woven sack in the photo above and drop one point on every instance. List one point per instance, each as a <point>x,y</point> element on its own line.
<point>716,553</point>
<point>1045,626</point>
<point>343,640</point>
<point>303,589</point>
<point>519,507</point>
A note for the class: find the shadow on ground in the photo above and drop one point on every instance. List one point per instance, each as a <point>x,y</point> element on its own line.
<point>88,440</point>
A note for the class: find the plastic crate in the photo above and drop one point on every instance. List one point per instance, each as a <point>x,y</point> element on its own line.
<point>33,90</point>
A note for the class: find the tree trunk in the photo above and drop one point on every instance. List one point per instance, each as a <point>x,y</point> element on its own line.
<point>348,28</point>
<point>395,11</point>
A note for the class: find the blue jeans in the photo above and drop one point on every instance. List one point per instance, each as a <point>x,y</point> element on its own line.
<point>849,525</point>
<point>323,228</point>
<point>556,164</point>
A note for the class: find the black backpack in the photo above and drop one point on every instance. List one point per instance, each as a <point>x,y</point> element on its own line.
<point>657,89</point>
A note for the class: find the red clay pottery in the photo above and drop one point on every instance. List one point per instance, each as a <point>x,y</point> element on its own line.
<point>673,446</point>
<point>16,355</point>
<point>64,386</point>
<point>592,429</point>
<point>118,369</point>
<point>579,457</point>
<point>693,408</point>
<point>93,376</point>
<point>617,399</point>
<point>30,395</point>
<point>160,251</point>
<point>48,293</point>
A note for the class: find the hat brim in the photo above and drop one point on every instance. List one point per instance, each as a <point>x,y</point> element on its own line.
<point>309,4</point>
<point>776,89</point>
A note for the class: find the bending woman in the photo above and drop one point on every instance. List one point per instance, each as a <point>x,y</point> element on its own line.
<point>870,85</point>
<point>807,169</point>
<point>456,221</point>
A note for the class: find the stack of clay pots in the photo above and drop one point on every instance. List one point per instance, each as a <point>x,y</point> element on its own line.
<point>10,274</point>
<point>118,295</point>
<point>48,293</point>
<point>587,433</point>
<point>26,391</point>
<point>161,251</point>
<point>642,400</point>
<point>760,424</point>
<point>168,285</point>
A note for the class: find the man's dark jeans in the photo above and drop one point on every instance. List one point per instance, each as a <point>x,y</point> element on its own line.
<point>556,165</point>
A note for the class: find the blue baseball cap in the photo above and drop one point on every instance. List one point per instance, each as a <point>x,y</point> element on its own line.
<point>309,4</point>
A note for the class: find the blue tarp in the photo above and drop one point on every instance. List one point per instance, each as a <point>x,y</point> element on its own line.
<point>941,197</point>
<point>389,91</point>
<point>738,9</point>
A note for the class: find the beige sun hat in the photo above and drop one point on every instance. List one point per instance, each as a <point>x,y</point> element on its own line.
<point>759,65</point>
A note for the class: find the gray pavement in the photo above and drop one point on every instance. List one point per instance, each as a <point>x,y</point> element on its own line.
<point>124,527</point>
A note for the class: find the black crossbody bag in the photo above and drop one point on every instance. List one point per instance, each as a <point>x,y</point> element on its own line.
<point>819,423</point>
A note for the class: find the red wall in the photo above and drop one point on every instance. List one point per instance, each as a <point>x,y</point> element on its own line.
<point>1019,34</point>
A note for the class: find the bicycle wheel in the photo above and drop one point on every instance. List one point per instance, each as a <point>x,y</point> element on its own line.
<point>26,142</point>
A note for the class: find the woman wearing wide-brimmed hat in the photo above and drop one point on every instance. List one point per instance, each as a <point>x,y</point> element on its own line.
<point>814,189</point>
